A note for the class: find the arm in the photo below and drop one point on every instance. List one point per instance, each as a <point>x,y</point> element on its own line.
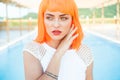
<point>33,68</point>
<point>89,72</point>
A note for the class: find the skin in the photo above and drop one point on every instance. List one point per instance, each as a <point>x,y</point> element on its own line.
<point>57,21</point>
<point>62,42</point>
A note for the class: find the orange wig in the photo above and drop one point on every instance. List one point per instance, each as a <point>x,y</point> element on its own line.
<point>64,6</point>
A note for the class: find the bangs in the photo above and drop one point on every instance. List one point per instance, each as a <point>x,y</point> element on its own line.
<point>64,6</point>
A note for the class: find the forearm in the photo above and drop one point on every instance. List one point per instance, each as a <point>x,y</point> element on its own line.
<point>53,68</point>
<point>64,45</point>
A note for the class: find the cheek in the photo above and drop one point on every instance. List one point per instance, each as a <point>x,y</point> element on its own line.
<point>47,25</point>
<point>67,26</point>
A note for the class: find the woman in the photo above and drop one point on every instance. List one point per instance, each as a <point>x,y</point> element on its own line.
<point>57,52</point>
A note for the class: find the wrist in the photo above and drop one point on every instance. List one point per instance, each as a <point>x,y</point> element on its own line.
<point>59,54</point>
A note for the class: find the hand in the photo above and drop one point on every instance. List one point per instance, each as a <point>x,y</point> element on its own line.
<point>67,41</point>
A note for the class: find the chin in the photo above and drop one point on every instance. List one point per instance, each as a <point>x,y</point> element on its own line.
<point>57,38</point>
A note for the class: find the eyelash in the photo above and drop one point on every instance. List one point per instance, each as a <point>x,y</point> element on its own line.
<point>61,18</point>
<point>64,18</point>
<point>49,18</point>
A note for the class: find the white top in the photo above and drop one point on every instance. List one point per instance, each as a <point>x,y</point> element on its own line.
<point>73,65</point>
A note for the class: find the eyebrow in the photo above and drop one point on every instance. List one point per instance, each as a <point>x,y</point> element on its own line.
<point>53,15</point>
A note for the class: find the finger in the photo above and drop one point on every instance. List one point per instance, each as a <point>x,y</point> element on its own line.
<point>74,37</point>
<point>71,34</point>
<point>72,27</point>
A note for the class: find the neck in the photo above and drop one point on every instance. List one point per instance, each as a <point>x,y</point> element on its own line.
<point>53,43</point>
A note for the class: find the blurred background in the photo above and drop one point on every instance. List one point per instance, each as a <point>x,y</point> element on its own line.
<point>18,17</point>
<point>100,20</point>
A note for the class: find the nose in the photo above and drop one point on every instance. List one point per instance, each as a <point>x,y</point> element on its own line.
<point>56,23</point>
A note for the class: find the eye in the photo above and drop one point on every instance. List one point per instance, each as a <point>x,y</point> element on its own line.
<point>49,18</point>
<point>64,18</point>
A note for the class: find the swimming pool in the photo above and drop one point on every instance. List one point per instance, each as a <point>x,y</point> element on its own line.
<point>106,59</point>
<point>11,59</point>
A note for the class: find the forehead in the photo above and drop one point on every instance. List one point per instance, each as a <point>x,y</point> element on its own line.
<point>55,13</point>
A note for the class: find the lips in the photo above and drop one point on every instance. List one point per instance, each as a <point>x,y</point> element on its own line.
<point>56,32</point>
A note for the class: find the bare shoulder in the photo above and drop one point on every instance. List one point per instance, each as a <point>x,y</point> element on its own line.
<point>85,54</point>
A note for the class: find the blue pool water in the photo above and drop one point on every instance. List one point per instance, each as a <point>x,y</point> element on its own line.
<point>106,59</point>
<point>11,63</point>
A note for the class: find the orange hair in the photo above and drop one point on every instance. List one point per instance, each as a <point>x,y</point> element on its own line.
<point>64,6</point>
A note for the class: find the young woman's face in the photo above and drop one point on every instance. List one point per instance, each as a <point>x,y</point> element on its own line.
<point>57,24</point>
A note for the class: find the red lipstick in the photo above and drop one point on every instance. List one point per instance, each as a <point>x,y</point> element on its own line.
<point>56,32</point>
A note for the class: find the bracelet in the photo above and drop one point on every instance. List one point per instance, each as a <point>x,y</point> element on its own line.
<point>51,75</point>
